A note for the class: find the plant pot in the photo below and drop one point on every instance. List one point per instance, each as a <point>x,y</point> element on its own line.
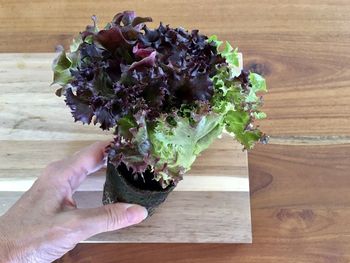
<point>120,186</point>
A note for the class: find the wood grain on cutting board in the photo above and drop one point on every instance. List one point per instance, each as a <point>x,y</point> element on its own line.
<point>299,183</point>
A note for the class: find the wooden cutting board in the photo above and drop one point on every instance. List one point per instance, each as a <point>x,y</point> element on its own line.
<point>211,204</point>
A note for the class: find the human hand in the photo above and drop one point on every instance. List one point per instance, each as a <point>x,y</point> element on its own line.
<point>45,223</point>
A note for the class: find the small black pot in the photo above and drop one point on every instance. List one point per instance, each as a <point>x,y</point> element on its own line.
<point>120,186</point>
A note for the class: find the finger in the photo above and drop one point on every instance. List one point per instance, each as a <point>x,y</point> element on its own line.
<point>108,218</point>
<point>86,161</point>
<point>74,169</point>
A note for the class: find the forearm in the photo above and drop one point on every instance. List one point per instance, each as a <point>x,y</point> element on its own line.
<point>15,248</point>
<point>6,245</point>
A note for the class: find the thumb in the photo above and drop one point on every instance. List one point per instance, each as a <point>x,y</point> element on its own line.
<point>109,217</point>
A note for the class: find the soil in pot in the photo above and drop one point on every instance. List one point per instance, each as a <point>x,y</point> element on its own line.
<point>121,186</point>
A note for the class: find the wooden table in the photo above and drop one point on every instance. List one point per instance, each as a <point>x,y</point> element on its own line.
<point>300,182</point>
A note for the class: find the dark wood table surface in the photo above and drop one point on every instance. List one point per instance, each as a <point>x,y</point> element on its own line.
<point>300,182</point>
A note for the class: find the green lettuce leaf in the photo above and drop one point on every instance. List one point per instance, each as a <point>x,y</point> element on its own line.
<point>60,67</point>
<point>235,97</point>
<point>258,82</point>
<point>178,146</point>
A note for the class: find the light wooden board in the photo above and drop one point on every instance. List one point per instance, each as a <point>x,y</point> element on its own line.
<point>204,217</point>
<point>210,205</point>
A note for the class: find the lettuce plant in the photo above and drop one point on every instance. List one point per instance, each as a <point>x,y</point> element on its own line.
<point>166,93</point>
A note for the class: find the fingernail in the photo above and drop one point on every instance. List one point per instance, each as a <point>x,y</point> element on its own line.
<point>136,214</point>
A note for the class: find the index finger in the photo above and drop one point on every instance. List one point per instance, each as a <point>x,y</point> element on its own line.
<point>75,168</point>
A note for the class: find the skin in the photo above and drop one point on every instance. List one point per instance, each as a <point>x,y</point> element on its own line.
<point>45,222</point>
